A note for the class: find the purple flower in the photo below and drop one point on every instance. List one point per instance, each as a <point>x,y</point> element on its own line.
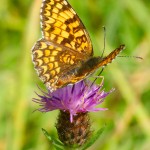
<point>78,98</point>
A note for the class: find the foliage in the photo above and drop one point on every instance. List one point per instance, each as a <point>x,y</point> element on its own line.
<point>127,22</point>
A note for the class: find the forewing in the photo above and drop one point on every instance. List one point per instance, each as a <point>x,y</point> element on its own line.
<point>61,25</point>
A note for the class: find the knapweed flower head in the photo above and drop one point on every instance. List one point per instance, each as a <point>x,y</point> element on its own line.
<point>81,97</point>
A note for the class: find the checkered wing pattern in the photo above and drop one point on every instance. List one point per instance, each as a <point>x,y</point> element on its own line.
<point>52,61</point>
<point>64,44</point>
<point>61,25</point>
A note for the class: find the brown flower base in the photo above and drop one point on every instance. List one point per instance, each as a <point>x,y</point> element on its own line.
<point>73,134</point>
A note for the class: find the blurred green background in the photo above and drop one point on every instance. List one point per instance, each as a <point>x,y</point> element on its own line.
<point>128,118</point>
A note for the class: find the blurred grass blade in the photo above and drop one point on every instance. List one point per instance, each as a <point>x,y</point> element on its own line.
<point>57,144</point>
<point>94,138</point>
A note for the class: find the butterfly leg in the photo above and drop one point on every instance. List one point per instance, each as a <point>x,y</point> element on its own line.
<point>98,77</point>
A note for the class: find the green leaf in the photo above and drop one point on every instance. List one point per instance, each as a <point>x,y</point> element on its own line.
<point>58,148</point>
<point>56,143</point>
<point>93,138</point>
<point>47,134</point>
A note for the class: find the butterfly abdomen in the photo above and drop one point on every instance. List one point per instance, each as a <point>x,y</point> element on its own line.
<point>108,59</point>
<point>94,63</point>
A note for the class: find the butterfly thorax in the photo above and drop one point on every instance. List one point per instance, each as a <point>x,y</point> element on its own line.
<point>80,72</point>
<point>89,66</point>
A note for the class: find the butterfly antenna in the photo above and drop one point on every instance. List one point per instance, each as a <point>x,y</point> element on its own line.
<point>137,57</point>
<point>104,29</point>
<point>96,77</point>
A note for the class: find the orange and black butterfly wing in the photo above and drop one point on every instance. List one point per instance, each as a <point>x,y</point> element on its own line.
<point>64,44</point>
<point>61,25</point>
<point>51,62</point>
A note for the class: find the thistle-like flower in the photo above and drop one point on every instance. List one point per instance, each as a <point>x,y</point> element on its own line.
<point>74,102</point>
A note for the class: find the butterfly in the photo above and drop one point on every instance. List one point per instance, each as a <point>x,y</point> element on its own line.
<point>64,54</point>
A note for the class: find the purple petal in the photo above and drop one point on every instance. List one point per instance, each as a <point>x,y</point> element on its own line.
<point>80,97</point>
